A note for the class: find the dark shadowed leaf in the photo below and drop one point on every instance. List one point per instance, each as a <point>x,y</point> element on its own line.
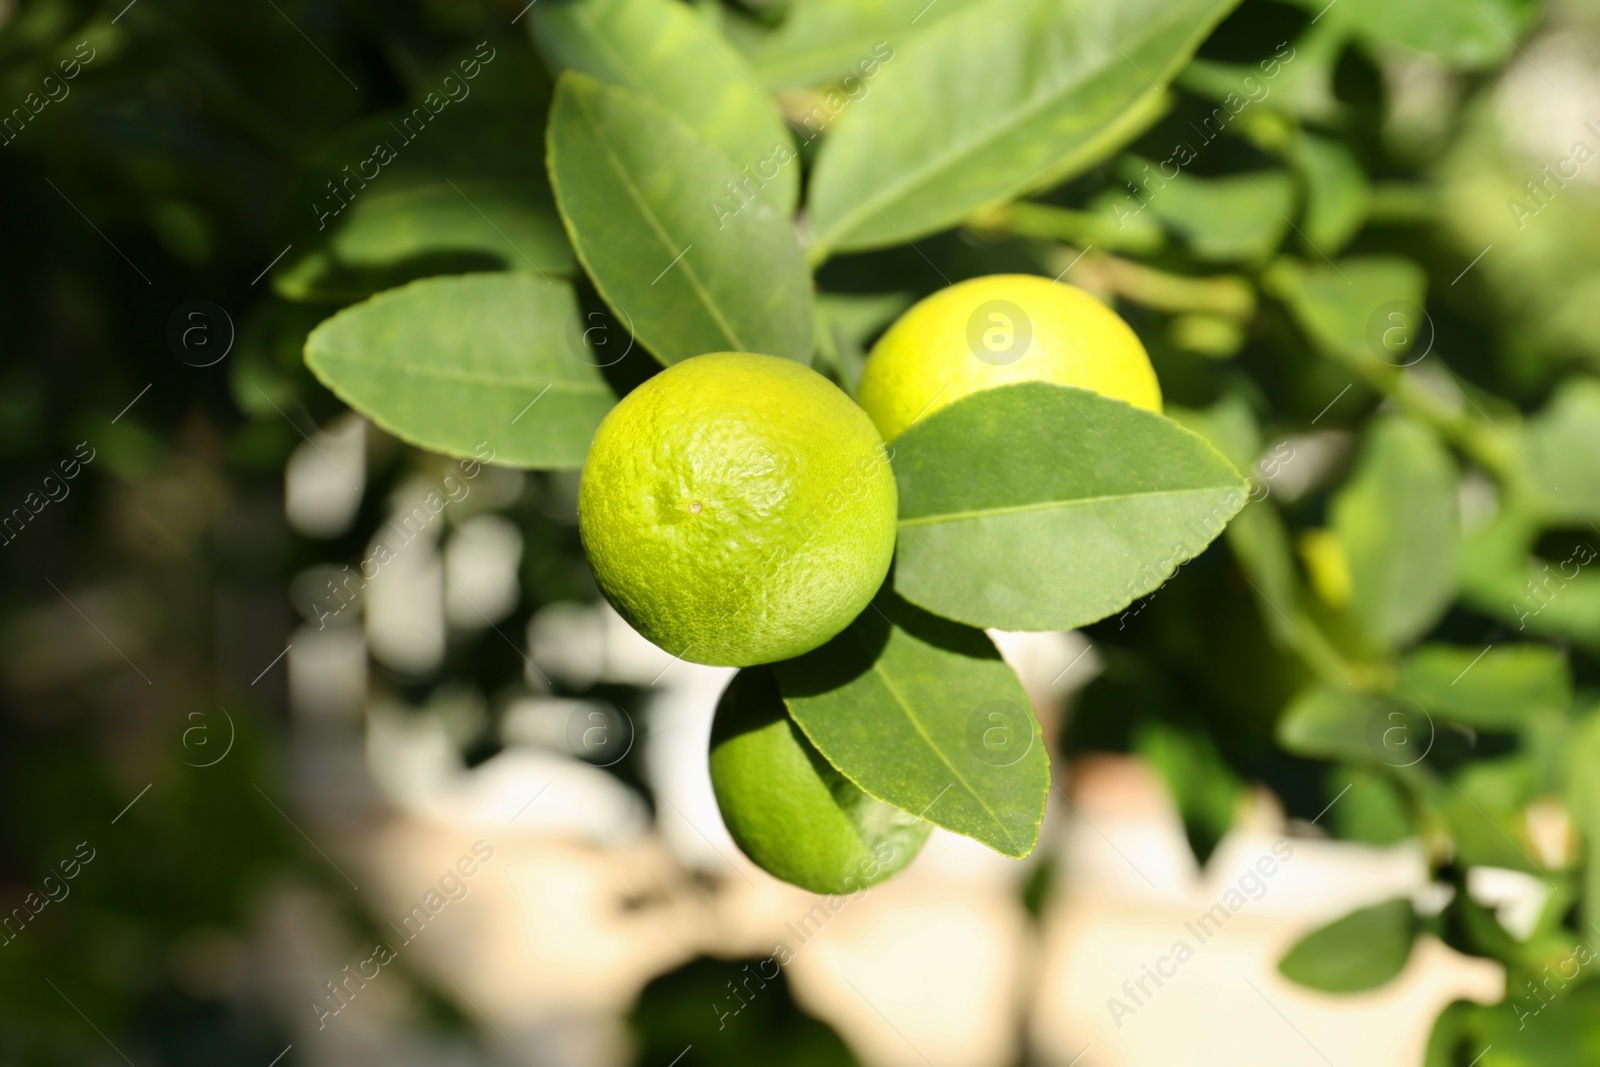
<point>922,713</point>
<point>1361,951</point>
<point>460,191</point>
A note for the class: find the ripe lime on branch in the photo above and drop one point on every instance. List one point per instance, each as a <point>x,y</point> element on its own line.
<point>737,509</point>
<point>998,330</point>
<point>791,811</point>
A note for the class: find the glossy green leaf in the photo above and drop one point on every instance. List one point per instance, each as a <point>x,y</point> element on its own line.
<point>923,714</point>
<point>1397,518</point>
<point>1361,951</point>
<point>664,50</point>
<point>1500,687</point>
<point>1042,507</point>
<point>828,40</point>
<point>998,99</point>
<point>1239,217</point>
<point>463,190</point>
<point>639,194</point>
<point>453,362</point>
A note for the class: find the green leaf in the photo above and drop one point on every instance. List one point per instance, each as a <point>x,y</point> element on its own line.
<point>1397,519</point>
<point>466,192</point>
<point>1340,305</point>
<point>1471,36</point>
<point>1498,688</point>
<point>1361,951</point>
<point>1328,723</point>
<point>826,40</point>
<point>1563,449</point>
<point>1535,1029</point>
<point>1042,507</point>
<point>450,363</point>
<point>1487,812</point>
<point>664,50</point>
<point>923,714</point>
<point>1337,193</point>
<point>1203,785</point>
<point>1331,722</point>
<point>636,190</point>
<point>1000,98</point>
<point>1369,808</point>
<point>845,322</point>
<point>1239,217</point>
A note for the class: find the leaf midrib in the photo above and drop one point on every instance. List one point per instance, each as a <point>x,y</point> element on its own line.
<point>905,706</point>
<point>655,226</point>
<point>917,177</point>
<point>558,384</point>
<point>1046,505</point>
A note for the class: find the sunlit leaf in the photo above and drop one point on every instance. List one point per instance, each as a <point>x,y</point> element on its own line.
<point>1000,98</point>
<point>1042,507</point>
<point>639,195</point>
<point>454,364</point>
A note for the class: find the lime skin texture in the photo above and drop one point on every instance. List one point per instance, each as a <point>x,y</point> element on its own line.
<point>997,330</point>
<point>737,509</point>
<point>788,809</point>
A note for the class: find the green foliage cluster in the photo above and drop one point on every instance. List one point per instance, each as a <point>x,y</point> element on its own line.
<point>495,229</point>
<point>1405,592</point>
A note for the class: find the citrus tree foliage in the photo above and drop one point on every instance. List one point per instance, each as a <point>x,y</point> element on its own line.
<point>675,178</point>
<point>1354,557</point>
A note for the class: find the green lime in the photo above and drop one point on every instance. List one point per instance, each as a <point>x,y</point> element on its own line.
<point>997,330</point>
<point>737,509</point>
<point>789,810</point>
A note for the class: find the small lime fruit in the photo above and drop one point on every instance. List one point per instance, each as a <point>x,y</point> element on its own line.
<point>997,330</point>
<point>789,809</point>
<point>737,509</point>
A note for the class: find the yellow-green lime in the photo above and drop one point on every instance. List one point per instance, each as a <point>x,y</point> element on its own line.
<point>789,809</point>
<point>737,509</point>
<point>997,330</point>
